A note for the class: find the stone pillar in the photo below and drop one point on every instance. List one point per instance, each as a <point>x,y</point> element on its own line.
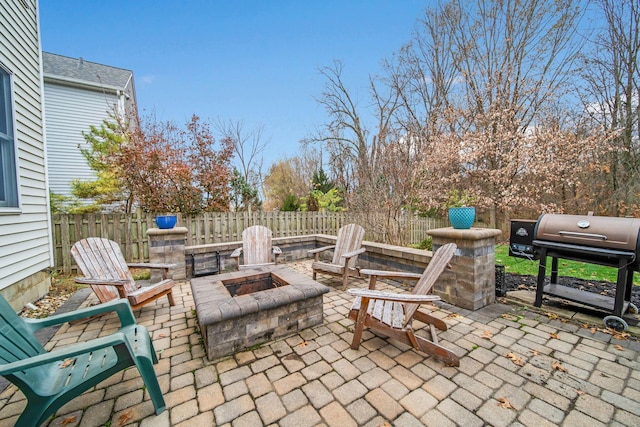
<point>166,246</point>
<point>471,282</point>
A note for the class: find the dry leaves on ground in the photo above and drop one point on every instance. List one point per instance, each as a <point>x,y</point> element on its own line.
<point>486,335</point>
<point>503,402</point>
<point>69,420</point>
<point>515,359</point>
<point>558,366</point>
<point>125,417</point>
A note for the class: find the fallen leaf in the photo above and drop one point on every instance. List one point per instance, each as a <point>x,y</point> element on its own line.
<point>125,417</point>
<point>554,336</point>
<point>593,330</point>
<point>580,392</point>
<point>162,336</point>
<point>618,347</point>
<point>515,359</point>
<point>522,287</point>
<point>385,424</point>
<point>551,316</point>
<point>69,420</point>
<point>503,402</point>
<point>303,344</point>
<point>452,316</point>
<point>486,335</point>
<point>66,363</point>
<point>535,352</point>
<point>558,367</point>
<point>622,336</point>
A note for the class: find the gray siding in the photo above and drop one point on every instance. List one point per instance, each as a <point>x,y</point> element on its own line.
<point>24,232</point>
<point>70,112</point>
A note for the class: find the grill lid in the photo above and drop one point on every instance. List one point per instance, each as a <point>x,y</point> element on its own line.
<point>599,231</point>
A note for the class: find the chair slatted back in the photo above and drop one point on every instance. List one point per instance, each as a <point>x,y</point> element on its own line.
<point>100,258</point>
<point>349,239</point>
<point>430,276</point>
<point>256,245</point>
<point>17,340</point>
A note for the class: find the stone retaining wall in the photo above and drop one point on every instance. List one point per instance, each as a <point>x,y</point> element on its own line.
<point>469,284</point>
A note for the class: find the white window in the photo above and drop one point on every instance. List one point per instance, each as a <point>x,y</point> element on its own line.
<point>8,182</point>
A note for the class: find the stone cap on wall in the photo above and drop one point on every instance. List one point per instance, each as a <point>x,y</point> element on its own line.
<point>164,231</point>
<point>470,234</point>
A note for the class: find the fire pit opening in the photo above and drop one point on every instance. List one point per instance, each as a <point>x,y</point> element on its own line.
<point>255,283</point>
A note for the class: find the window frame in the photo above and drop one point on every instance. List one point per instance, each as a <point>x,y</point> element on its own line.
<point>11,202</point>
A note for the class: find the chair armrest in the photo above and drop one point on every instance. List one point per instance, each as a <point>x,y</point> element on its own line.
<point>351,254</point>
<point>388,296</point>
<point>318,250</point>
<point>391,274</point>
<point>63,353</point>
<point>120,306</point>
<point>150,265</point>
<point>106,282</point>
<point>236,253</point>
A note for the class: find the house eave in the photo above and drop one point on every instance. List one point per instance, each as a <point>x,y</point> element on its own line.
<point>83,84</point>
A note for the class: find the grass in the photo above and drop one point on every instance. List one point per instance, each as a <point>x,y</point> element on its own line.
<point>580,270</point>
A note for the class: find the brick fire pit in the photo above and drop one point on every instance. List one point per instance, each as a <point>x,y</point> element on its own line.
<point>245,308</point>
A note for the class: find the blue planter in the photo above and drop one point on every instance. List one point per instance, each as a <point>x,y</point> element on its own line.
<point>462,218</point>
<point>166,221</point>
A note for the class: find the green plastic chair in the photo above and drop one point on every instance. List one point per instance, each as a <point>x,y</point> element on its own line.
<point>51,379</point>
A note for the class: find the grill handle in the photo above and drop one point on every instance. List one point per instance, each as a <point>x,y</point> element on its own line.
<point>583,235</point>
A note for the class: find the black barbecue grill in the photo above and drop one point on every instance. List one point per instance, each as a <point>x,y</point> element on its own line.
<point>608,241</point>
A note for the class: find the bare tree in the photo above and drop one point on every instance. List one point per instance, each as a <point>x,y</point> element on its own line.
<point>373,161</point>
<point>249,148</point>
<point>511,60</point>
<point>611,98</point>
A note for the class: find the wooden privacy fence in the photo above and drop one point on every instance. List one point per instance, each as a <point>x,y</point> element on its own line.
<point>130,230</point>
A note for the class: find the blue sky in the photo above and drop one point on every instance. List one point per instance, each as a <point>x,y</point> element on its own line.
<point>242,60</point>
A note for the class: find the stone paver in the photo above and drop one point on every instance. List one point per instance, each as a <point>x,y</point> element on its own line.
<point>518,367</point>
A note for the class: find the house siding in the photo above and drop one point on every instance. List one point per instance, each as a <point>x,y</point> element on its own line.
<point>70,112</point>
<point>25,243</point>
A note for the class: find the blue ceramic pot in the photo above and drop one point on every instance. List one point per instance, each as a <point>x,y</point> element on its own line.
<point>462,218</point>
<point>166,221</point>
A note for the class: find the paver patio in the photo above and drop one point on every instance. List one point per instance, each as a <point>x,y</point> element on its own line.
<point>518,367</point>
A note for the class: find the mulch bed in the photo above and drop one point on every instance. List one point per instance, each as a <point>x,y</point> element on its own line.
<point>517,281</point>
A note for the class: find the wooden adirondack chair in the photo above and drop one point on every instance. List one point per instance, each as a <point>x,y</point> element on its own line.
<point>392,313</point>
<point>256,250</point>
<point>105,269</point>
<point>51,379</point>
<point>345,254</point>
